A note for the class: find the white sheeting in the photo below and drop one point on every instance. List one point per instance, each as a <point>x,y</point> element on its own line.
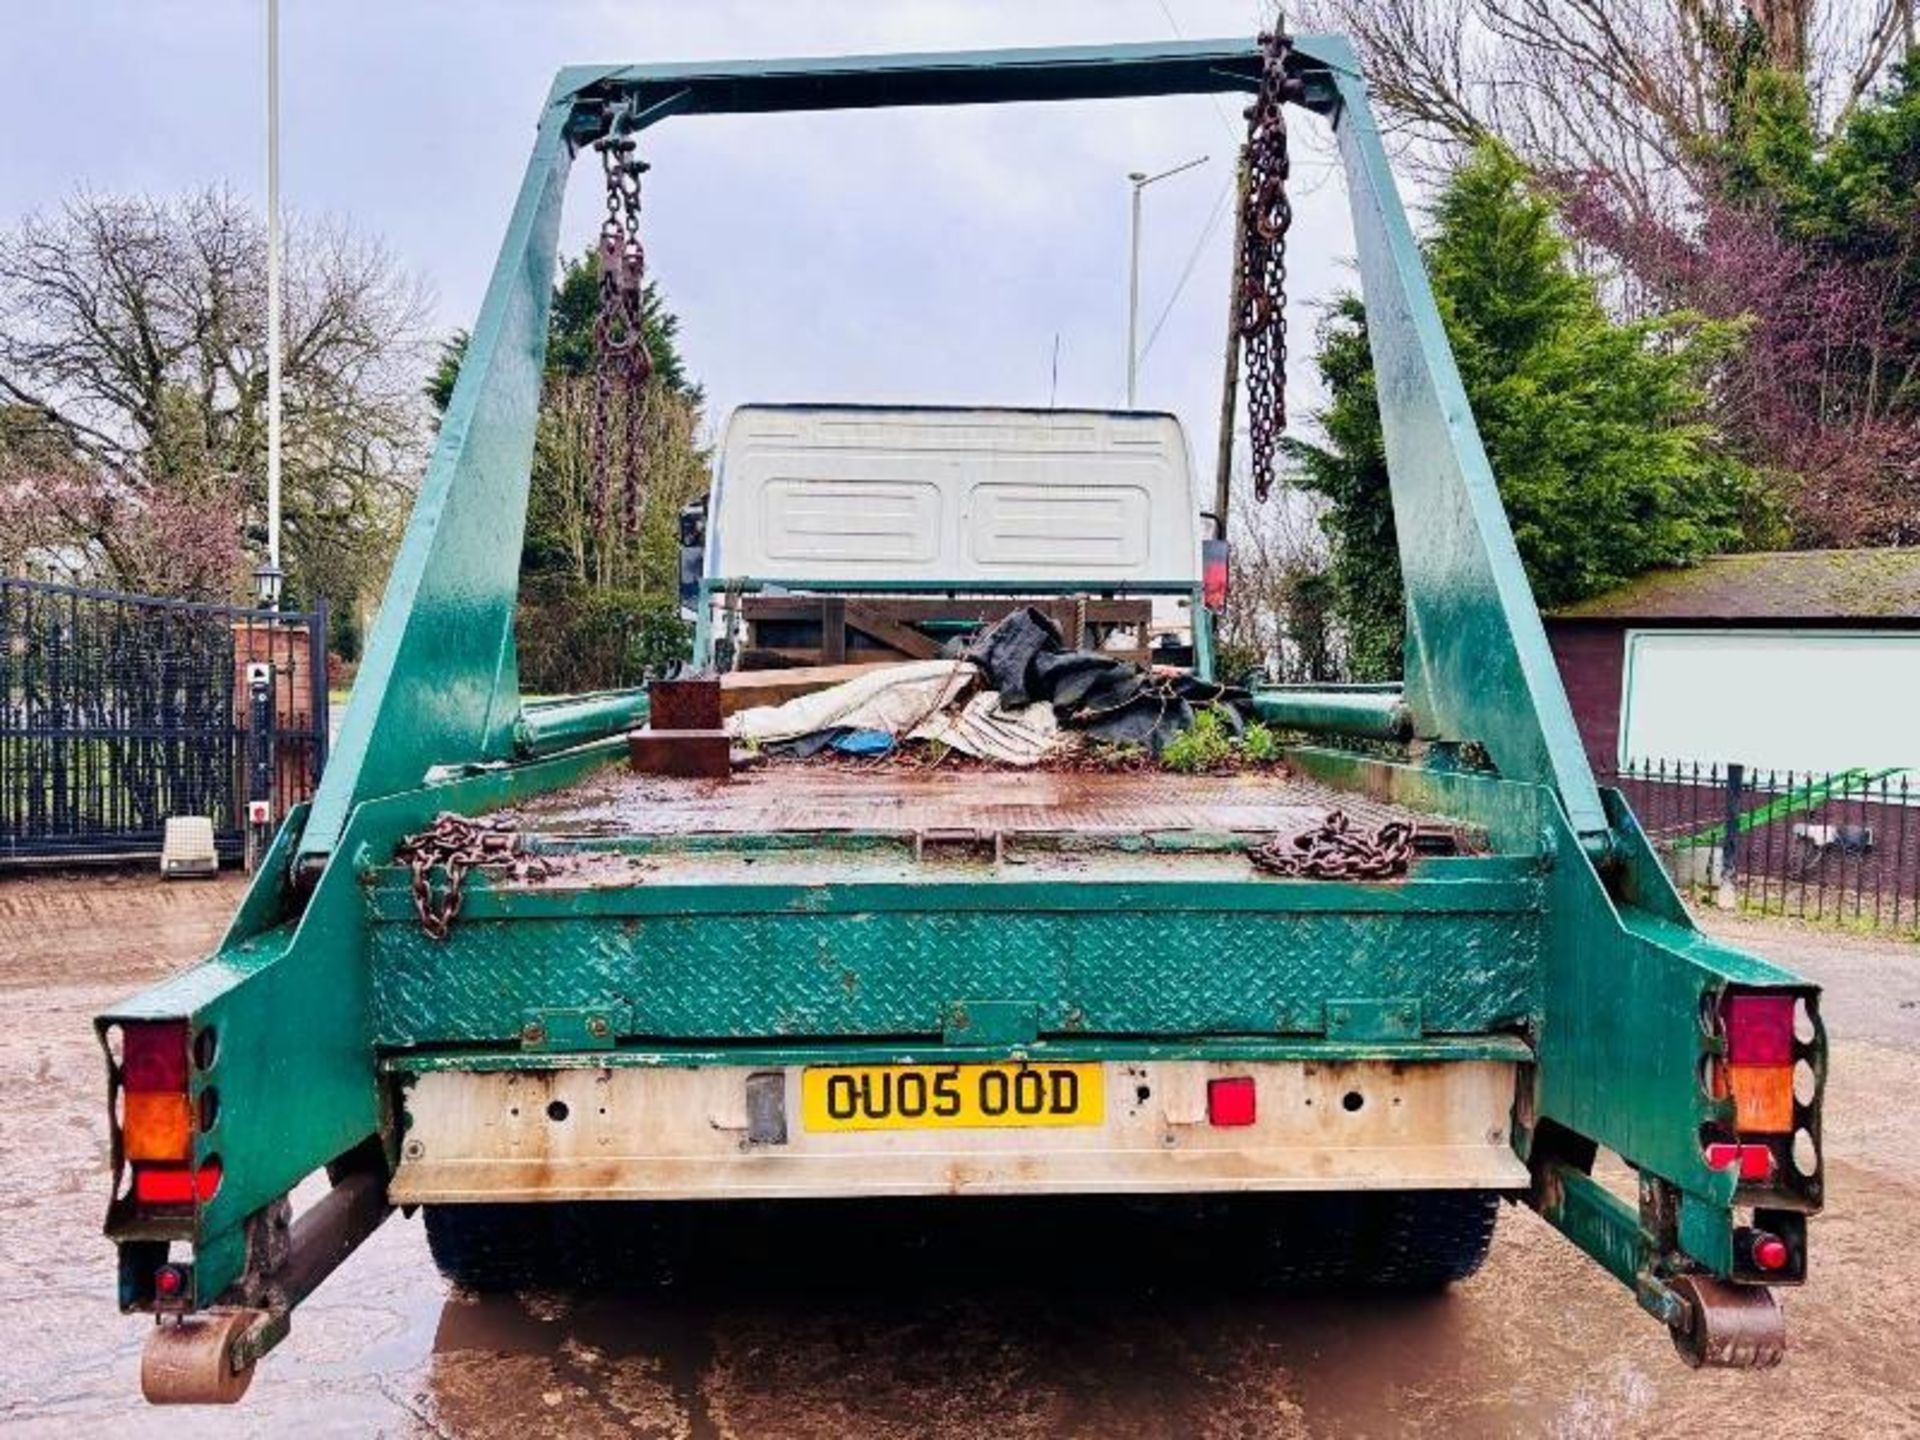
<point>895,700</point>
<point>981,728</point>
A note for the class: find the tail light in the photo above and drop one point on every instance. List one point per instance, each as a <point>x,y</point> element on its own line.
<point>1753,1162</point>
<point>1758,1070</point>
<point>1213,573</point>
<point>157,1125</point>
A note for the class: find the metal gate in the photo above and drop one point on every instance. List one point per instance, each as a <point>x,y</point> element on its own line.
<point>118,711</point>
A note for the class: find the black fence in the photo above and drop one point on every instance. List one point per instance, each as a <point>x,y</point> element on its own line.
<point>1835,845</point>
<point>120,711</point>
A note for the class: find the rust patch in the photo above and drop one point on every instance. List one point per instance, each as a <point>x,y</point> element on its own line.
<point>808,798</point>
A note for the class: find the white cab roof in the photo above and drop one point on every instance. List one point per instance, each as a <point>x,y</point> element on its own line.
<point>841,492</point>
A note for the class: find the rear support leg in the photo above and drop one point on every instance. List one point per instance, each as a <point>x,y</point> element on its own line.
<point>208,1358</point>
<point>1713,1322</point>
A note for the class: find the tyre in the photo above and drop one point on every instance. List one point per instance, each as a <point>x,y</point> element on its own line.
<point>1397,1240</point>
<point>1413,1240</point>
<point>492,1248</point>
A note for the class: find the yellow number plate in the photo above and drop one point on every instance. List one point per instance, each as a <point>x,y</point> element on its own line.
<point>950,1097</point>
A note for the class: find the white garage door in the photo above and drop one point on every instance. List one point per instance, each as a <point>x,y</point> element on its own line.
<point>1794,699</point>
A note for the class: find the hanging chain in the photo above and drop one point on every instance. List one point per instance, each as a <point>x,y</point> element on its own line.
<point>1265,217</point>
<point>455,844</point>
<point>1334,850</point>
<point>622,362</point>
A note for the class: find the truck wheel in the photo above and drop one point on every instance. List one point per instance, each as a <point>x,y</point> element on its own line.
<point>491,1248</point>
<point>1413,1240</point>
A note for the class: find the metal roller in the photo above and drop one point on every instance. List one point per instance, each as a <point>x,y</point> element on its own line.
<point>1729,1327</point>
<point>191,1361</point>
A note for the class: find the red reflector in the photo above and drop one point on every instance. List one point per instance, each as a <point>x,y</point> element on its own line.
<point>1760,1029</point>
<point>169,1282</point>
<point>154,1056</point>
<point>174,1184</point>
<point>1755,1161</point>
<point>1769,1252</point>
<point>1213,573</point>
<point>1230,1102</point>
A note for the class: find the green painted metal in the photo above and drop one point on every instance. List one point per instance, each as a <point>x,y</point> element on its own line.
<point>740,960</point>
<point>556,725</point>
<point>439,681</point>
<point>1428,1050</point>
<point>1477,663</point>
<point>980,77</point>
<point>1363,711</point>
<point>289,1006</point>
<point>1599,1222</point>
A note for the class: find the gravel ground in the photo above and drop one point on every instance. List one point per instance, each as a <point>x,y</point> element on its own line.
<point>1539,1343</point>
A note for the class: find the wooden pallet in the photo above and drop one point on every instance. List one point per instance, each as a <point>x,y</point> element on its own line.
<point>788,630</point>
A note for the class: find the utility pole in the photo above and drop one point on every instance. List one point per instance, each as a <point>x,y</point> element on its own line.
<point>1140,180</point>
<point>1230,379</point>
<point>273,294</point>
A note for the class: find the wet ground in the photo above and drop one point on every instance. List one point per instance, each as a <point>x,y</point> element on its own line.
<point>973,1333</point>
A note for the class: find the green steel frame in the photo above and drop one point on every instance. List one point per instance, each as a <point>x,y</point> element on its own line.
<point>1566,945</point>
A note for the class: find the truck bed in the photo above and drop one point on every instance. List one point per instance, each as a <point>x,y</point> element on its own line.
<point>837,797</point>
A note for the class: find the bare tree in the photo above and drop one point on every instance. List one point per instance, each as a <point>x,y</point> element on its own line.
<point>1634,89</point>
<point>1278,615</point>
<point>134,329</point>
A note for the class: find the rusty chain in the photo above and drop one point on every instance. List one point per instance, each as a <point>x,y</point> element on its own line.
<point>622,362</point>
<point>456,844</point>
<point>1335,850</point>
<point>1265,217</point>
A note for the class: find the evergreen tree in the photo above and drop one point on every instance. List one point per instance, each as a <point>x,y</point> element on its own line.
<point>1593,428</point>
<point>599,605</point>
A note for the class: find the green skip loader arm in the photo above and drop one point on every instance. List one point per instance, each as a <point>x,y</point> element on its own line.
<point>1628,1028</point>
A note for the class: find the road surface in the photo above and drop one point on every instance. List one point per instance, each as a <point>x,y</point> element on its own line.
<point>972,1332</point>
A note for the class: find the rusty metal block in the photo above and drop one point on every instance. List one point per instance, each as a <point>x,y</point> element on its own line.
<point>689,754</point>
<point>684,704</point>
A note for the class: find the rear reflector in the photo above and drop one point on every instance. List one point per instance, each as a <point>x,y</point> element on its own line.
<point>1755,1161</point>
<point>1760,1029</point>
<point>158,1127</point>
<point>175,1184</point>
<point>1231,1101</point>
<point>1770,1252</point>
<point>154,1056</point>
<point>1762,1098</point>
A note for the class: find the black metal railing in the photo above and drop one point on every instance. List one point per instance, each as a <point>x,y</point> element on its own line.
<point>1816,845</point>
<point>120,711</point>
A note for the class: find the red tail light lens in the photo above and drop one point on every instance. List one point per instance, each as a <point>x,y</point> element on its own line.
<point>175,1184</point>
<point>1230,1102</point>
<point>1760,1029</point>
<point>1758,1070</point>
<point>1754,1161</point>
<point>154,1057</point>
<point>1213,573</point>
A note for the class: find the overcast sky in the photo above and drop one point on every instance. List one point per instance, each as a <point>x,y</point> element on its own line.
<point>903,255</point>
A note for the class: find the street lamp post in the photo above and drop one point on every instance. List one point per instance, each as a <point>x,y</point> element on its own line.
<point>1140,180</point>
<point>273,298</point>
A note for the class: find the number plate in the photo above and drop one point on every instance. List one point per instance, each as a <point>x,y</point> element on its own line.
<point>950,1097</point>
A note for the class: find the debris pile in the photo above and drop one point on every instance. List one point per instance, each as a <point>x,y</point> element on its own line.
<point>1017,694</point>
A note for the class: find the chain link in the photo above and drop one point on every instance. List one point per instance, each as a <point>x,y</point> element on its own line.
<point>1334,850</point>
<point>456,844</point>
<point>622,362</point>
<point>1265,217</point>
